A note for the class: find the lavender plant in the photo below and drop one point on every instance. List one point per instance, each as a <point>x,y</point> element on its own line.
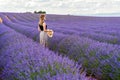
<point>95,42</point>
<point>24,59</point>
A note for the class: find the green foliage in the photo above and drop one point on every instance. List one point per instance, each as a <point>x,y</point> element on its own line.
<point>106,70</point>
<point>92,53</point>
<point>113,41</point>
<point>104,57</point>
<point>40,12</point>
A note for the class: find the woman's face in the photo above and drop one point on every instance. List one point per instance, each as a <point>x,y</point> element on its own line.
<point>45,18</point>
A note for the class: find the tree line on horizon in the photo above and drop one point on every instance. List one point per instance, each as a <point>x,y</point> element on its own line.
<point>37,12</point>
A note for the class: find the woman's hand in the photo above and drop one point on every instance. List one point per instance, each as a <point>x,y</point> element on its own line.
<point>38,28</point>
<point>50,32</point>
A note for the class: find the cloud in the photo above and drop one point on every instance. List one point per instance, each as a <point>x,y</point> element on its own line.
<point>79,7</point>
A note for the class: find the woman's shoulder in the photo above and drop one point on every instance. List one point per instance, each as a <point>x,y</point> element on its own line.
<point>44,24</point>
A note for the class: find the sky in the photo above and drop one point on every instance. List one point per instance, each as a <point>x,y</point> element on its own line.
<point>73,7</point>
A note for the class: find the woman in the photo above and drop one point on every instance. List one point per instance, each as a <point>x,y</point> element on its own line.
<point>42,27</point>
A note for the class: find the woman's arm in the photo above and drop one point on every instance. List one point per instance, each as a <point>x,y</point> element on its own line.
<point>38,28</point>
<point>44,27</point>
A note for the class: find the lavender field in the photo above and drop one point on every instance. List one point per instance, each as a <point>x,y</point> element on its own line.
<point>82,48</point>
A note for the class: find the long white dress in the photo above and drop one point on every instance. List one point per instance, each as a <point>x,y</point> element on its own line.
<point>43,36</point>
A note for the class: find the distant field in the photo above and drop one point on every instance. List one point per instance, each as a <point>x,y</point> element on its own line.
<point>81,44</point>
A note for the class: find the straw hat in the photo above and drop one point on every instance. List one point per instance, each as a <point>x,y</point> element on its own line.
<point>50,33</point>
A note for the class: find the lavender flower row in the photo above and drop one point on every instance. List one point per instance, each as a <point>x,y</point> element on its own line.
<point>14,20</point>
<point>91,34</point>
<point>28,31</point>
<point>24,59</point>
<point>99,59</point>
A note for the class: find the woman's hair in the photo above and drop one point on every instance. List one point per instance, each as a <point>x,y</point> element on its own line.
<point>42,16</point>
